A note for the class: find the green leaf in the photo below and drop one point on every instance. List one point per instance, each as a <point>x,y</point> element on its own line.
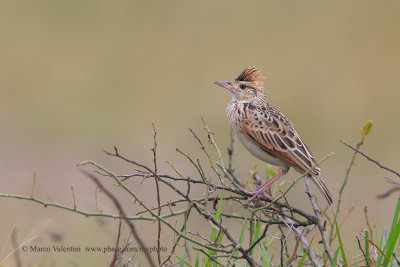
<point>304,255</point>
<point>183,262</point>
<point>264,255</point>
<point>257,227</point>
<point>381,244</point>
<point>240,240</point>
<point>335,257</point>
<point>271,172</point>
<point>393,236</point>
<point>340,243</point>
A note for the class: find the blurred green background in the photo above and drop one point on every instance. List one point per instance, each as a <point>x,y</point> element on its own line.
<point>77,77</point>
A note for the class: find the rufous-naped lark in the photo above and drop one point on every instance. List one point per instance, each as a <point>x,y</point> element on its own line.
<point>266,132</point>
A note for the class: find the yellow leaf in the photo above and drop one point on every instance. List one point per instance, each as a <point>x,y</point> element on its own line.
<point>366,129</point>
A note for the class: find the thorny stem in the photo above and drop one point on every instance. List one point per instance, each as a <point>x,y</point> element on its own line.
<point>141,203</point>
<point>199,209</point>
<point>91,214</point>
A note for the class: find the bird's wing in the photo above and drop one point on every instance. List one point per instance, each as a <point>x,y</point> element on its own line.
<point>275,134</point>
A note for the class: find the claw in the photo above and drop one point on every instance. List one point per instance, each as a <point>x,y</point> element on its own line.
<point>261,190</point>
<point>254,194</point>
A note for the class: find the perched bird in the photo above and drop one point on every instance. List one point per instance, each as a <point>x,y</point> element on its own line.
<point>266,132</point>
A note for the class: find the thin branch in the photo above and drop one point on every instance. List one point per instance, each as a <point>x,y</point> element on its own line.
<point>258,239</point>
<point>388,193</point>
<point>294,255</point>
<point>115,257</point>
<point>303,240</point>
<point>154,149</point>
<point>121,211</point>
<point>231,152</point>
<point>89,162</point>
<point>184,225</point>
<point>371,159</point>
<point>360,247</point>
<point>368,224</point>
<point>213,258</point>
<point>320,225</point>
<point>343,186</point>
<point>396,259</point>
<point>275,202</point>
<point>199,209</point>
<point>18,261</point>
<point>91,214</point>
<point>208,154</point>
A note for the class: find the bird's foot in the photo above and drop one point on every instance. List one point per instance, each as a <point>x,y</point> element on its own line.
<point>255,193</point>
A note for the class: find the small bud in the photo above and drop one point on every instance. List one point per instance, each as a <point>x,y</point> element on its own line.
<point>366,129</point>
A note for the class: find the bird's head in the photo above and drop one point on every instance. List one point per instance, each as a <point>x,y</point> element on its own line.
<point>246,86</point>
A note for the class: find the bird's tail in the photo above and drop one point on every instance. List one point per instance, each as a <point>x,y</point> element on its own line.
<point>324,189</point>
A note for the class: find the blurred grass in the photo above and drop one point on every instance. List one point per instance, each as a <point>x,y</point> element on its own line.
<point>80,76</point>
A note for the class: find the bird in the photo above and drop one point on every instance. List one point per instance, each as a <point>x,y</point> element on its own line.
<point>267,133</point>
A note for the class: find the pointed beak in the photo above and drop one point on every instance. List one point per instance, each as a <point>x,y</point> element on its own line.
<point>226,84</point>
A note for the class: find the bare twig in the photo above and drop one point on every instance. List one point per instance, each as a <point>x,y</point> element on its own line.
<point>320,225</point>
<point>303,239</point>
<point>261,237</point>
<point>368,224</point>
<point>396,259</point>
<point>121,211</point>
<point>275,202</point>
<point>213,258</point>
<point>360,247</point>
<point>14,241</point>
<point>184,225</point>
<point>344,183</point>
<point>294,255</point>
<point>115,257</point>
<point>282,248</point>
<point>154,149</point>
<point>388,193</point>
<point>231,153</point>
<point>199,209</point>
<point>132,193</point>
<point>371,159</point>
<point>91,214</point>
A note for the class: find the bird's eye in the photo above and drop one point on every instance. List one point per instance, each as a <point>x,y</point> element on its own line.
<point>242,86</point>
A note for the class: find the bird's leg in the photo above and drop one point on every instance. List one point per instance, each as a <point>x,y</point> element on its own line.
<point>261,190</point>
